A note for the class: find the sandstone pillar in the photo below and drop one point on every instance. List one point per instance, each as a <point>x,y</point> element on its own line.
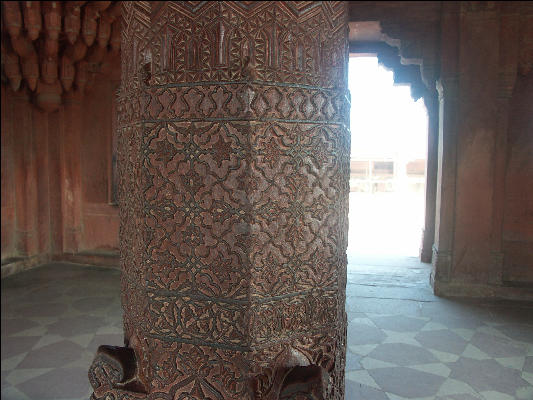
<point>447,87</point>
<point>234,170</point>
<point>8,202</point>
<point>27,240</point>
<point>71,201</point>
<point>40,149</point>
<point>432,106</point>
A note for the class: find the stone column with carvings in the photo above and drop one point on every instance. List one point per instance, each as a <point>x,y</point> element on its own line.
<point>234,171</point>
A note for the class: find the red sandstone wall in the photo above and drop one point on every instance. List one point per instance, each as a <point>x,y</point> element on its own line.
<point>518,213</point>
<point>477,127</point>
<point>100,216</point>
<point>55,173</point>
<point>8,188</point>
<point>24,172</point>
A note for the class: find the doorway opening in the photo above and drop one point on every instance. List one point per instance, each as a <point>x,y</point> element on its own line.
<point>389,133</point>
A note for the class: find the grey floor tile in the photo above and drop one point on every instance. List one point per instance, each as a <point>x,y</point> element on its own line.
<point>357,391</point>
<point>39,310</point>
<point>54,355</point>
<point>399,323</point>
<point>485,375</point>
<point>528,365</point>
<point>407,382</point>
<point>496,346</point>
<point>61,383</point>
<point>12,393</point>
<point>442,340</point>
<point>90,304</point>
<point>461,396</point>
<point>402,354</point>
<point>388,306</point>
<point>11,326</point>
<point>352,361</point>
<point>14,345</point>
<point>76,325</point>
<point>364,334</point>
<point>523,333</point>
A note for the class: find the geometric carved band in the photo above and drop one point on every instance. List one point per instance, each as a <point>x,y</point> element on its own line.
<point>280,318</point>
<point>247,101</point>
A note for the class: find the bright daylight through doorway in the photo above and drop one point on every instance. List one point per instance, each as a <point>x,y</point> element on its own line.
<point>388,161</point>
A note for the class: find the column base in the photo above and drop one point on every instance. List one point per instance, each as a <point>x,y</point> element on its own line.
<point>426,250</point>
<point>426,255</point>
<point>113,375</point>
<point>441,265</point>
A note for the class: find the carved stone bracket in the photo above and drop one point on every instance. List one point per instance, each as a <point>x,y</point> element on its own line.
<point>54,47</point>
<point>114,372</point>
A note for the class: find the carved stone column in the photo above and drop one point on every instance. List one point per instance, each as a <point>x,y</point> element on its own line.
<point>234,164</point>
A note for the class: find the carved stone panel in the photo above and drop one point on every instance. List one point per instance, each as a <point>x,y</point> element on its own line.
<point>234,164</point>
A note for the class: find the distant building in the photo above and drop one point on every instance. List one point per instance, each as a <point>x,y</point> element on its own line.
<point>374,174</point>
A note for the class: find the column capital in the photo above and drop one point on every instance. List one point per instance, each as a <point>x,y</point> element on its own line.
<point>447,87</point>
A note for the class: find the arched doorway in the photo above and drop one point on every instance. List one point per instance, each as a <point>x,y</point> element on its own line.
<point>388,163</point>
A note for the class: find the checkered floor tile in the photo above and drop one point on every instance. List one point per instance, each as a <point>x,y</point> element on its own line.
<point>403,342</point>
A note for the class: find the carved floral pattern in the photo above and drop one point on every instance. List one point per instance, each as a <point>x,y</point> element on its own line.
<point>234,158</point>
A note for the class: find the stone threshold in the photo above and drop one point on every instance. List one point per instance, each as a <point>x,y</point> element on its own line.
<point>483,291</point>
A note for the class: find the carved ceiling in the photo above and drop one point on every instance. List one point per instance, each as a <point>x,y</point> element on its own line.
<point>55,48</point>
<point>52,47</point>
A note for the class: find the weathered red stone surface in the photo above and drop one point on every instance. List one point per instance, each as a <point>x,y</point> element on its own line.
<point>234,163</point>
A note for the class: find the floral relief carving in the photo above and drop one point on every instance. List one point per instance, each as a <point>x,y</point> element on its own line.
<point>234,161</point>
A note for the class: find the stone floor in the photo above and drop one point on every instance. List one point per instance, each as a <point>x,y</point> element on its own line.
<point>403,342</point>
